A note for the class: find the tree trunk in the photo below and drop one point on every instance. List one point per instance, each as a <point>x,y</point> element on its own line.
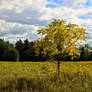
<point>58,67</point>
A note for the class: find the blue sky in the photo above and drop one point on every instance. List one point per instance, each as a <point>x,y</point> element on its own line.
<point>20,19</point>
<point>56,1</point>
<point>53,5</point>
<point>88,3</point>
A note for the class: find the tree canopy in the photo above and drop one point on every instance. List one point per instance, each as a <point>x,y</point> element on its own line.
<point>60,38</point>
<point>8,52</point>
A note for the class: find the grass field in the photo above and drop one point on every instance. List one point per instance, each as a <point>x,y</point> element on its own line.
<point>42,77</point>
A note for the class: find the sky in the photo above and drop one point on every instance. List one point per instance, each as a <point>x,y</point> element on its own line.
<point>20,19</point>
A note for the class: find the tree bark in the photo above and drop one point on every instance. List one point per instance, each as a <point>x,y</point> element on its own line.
<point>58,67</point>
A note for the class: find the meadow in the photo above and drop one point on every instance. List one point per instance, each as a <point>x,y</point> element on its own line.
<point>42,77</point>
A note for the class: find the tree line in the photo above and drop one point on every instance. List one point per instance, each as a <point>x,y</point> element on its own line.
<point>25,51</point>
<point>59,41</point>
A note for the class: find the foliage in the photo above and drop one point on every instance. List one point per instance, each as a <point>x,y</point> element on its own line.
<point>85,52</point>
<point>28,54</point>
<point>8,52</point>
<point>60,39</point>
<point>26,50</point>
<point>19,46</point>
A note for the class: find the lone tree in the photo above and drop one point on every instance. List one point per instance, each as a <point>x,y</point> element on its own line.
<point>60,39</point>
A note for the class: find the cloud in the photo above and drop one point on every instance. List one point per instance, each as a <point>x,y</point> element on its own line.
<point>74,3</point>
<point>16,31</point>
<point>19,19</point>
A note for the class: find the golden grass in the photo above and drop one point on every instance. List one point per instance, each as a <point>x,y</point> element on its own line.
<point>73,75</point>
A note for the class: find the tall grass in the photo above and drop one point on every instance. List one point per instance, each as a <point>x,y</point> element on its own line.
<point>42,77</point>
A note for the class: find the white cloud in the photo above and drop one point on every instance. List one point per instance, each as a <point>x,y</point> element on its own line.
<point>16,31</point>
<point>19,19</point>
<point>73,3</point>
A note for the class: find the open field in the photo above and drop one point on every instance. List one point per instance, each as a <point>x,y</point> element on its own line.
<point>42,77</point>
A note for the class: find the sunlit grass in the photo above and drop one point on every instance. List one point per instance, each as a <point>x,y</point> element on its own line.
<point>73,75</point>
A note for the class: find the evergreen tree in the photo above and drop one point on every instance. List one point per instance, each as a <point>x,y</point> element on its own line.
<point>81,54</point>
<point>20,46</point>
<point>8,52</point>
<point>85,53</point>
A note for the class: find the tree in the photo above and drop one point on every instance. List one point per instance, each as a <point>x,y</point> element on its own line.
<point>60,39</point>
<point>39,51</point>
<point>81,53</point>
<point>32,52</point>
<point>26,50</point>
<point>85,53</point>
<point>20,46</point>
<point>8,52</point>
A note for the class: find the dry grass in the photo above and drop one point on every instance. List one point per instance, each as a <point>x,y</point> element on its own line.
<point>42,77</point>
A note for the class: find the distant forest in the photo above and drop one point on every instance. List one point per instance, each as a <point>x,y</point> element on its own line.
<point>25,51</point>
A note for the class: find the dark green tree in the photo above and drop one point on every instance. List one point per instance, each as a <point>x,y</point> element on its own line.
<point>26,50</point>
<point>29,52</point>
<point>20,47</point>
<point>8,52</point>
<point>82,54</point>
<point>85,52</point>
